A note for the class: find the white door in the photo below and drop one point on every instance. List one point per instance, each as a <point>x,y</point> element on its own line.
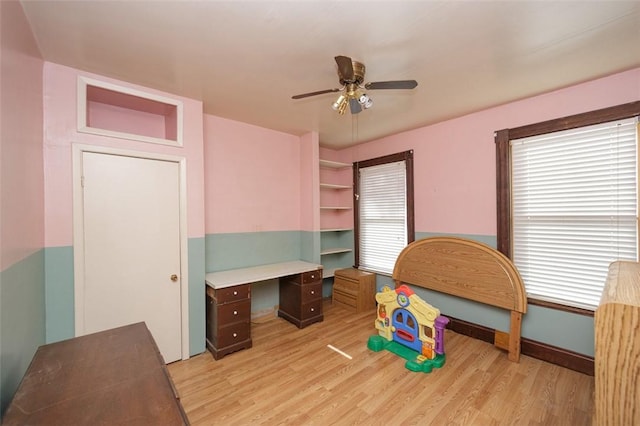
<point>131,214</point>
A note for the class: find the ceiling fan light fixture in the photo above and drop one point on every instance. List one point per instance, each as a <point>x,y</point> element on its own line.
<point>341,100</point>
<point>343,107</point>
<point>365,101</point>
<point>340,104</point>
<point>351,77</point>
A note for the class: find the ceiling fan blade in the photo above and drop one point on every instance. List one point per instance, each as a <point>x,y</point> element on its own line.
<point>319,92</point>
<point>345,68</point>
<point>355,106</point>
<point>398,84</point>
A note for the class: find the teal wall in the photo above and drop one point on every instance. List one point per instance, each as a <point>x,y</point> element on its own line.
<point>22,321</point>
<point>216,252</point>
<point>196,296</point>
<point>489,240</point>
<point>59,290</point>
<point>562,329</point>
<point>565,330</point>
<point>246,249</point>
<point>310,246</point>
<point>342,239</point>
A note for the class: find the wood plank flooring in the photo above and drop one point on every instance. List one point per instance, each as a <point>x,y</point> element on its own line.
<point>290,376</point>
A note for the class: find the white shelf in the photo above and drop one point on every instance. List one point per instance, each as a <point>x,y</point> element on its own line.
<point>340,180</point>
<point>233,277</point>
<point>333,164</point>
<point>329,273</point>
<point>335,251</point>
<point>334,186</point>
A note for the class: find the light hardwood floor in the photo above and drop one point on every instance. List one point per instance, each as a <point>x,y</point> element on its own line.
<point>290,376</point>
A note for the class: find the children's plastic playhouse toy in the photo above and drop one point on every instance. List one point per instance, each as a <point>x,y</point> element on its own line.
<point>410,328</point>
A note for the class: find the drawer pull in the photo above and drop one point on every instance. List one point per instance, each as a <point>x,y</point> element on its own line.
<point>312,309</point>
<point>313,292</point>
<point>235,312</point>
<point>312,276</point>
<point>235,334</point>
<point>235,292</point>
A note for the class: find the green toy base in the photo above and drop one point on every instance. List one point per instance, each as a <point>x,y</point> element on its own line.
<point>415,361</point>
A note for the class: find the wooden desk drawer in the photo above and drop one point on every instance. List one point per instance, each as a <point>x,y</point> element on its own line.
<point>232,294</point>
<point>234,312</point>
<point>307,277</point>
<point>232,334</point>
<point>311,292</point>
<point>311,309</point>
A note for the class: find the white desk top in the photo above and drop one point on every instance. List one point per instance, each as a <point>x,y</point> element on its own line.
<point>253,274</point>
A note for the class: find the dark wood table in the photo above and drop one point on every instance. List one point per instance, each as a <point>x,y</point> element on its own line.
<point>112,377</point>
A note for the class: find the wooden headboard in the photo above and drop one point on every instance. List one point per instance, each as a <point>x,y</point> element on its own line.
<point>467,269</point>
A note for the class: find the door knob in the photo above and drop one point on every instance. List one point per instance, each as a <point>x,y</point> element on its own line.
<point>174,278</point>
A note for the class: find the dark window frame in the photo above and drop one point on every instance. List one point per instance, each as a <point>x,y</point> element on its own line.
<point>407,157</point>
<point>503,172</point>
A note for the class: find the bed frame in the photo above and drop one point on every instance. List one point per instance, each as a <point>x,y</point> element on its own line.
<point>471,270</point>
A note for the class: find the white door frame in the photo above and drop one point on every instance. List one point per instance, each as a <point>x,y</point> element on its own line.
<point>78,232</point>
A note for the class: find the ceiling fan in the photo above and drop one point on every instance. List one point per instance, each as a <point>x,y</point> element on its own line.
<point>351,77</point>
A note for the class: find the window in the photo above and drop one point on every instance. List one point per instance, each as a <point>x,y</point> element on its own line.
<point>383,210</point>
<point>567,203</point>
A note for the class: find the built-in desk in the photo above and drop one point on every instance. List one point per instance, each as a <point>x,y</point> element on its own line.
<point>228,296</point>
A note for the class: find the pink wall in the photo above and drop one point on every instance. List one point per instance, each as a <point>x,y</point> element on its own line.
<point>252,178</point>
<point>309,182</point>
<point>455,160</point>
<point>21,175</point>
<point>126,120</point>
<point>340,156</point>
<point>60,131</point>
<point>257,172</point>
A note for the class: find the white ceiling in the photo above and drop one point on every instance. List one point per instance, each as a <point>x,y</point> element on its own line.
<point>245,59</point>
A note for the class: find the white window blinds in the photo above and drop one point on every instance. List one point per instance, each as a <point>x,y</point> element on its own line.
<point>383,215</point>
<point>574,207</point>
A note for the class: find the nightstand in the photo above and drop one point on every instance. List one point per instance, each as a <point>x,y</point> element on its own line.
<point>354,289</point>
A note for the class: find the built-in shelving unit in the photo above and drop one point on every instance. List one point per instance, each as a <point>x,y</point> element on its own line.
<point>336,205</point>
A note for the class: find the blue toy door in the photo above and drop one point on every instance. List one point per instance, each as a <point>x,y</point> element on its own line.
<point>406,329</point>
